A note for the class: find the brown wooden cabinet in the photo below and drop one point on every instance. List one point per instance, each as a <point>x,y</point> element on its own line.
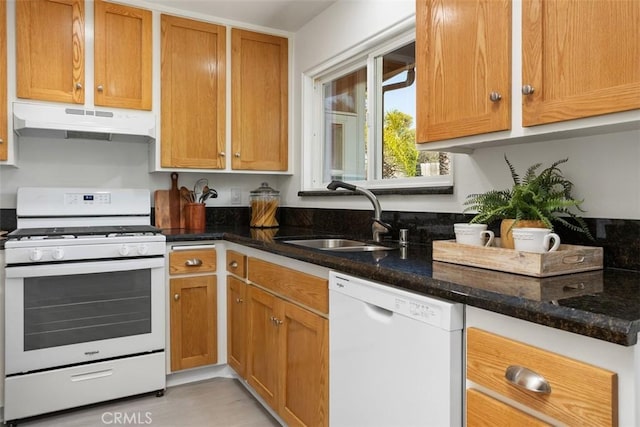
<point>578,393</point>
<point>50,50</point>
<point>579,59</point>
<point>193,76</point>
<point>237,330</point>
<point>287,360</point>
<point>193,308</point>
<point>263,344</point>
<point>463,68</point>
<point>285,331</point>
<point>485,411</point>
<point>122,65</point>
<point>259,101</point>
<point>4,137</point>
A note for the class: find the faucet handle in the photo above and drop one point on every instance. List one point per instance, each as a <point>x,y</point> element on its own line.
<point>384,224</point>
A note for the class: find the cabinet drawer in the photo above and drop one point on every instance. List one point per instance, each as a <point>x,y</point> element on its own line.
<point>303,288</point>
<point>581,394</point>
<point>192,261</point>
<point>483,410</point>
<point>236,264</point>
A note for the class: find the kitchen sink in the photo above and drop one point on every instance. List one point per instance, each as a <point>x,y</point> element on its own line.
<point>341,245</point>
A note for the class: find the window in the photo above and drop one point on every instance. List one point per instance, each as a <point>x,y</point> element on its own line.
<point>361,122</point>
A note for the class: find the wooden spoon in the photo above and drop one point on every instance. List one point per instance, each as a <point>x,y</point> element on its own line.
<point>186,194</point>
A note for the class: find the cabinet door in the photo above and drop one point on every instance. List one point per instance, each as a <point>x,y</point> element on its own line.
<point>304,391</point>
<point>463,68</point>
<point>485,411</point>
<point>122,56</point>
<point>237,333</point>
<point>193,74</point>
<point>50,50</point>
<point>262,351</point>
<point>3,81</point>
<point>193,322</point>
<point>259,101</point>
<point>580,57</point>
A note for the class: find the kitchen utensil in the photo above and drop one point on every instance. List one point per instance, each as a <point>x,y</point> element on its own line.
<point>198,188</point>
<point>166,215</point>
<point>209,192</point>
<point>186,195</point>
<point>175,210</point>
<point>205,190</point>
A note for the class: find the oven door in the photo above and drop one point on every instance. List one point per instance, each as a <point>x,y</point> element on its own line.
<point>79,312</point>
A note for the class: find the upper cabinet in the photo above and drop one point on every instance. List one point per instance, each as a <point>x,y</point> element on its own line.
<point>579,59</point>
<point>578,66</point>
<point>4,137</point>
<point>122,56</point>
<point>193,57</point>
<point>259,101</point>
<point>50,50</point>
<point>463,68</point>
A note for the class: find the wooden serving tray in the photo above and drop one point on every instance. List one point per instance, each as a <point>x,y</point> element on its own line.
<point>567,259</point>
<point>534,288</point>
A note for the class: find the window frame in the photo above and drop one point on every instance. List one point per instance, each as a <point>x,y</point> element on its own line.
<point>368,54</point>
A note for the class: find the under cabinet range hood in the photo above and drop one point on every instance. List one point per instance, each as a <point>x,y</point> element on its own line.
<point>57,121</point>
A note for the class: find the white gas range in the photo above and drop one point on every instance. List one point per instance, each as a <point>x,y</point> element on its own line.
<point>84,300</point>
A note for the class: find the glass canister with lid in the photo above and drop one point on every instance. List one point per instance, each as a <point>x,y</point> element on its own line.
<point>264,203</point>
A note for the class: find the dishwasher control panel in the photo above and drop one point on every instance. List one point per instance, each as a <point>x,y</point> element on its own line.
<point>436,312</point>
<point>418,310</point>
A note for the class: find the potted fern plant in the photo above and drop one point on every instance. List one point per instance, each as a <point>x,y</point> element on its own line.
<point>537,199</point>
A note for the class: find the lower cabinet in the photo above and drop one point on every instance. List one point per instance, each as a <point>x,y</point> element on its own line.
<point>278,339</point>
<point>237,325</point>
<point>557,387</point>
<point>193,310</point>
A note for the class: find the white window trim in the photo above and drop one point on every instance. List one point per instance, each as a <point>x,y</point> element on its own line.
<point>312,115</point>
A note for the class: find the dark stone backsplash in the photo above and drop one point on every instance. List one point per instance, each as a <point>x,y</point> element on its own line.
<point>620,238</point>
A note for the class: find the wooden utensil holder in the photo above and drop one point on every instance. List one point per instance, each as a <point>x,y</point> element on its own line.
<point>194,216</point>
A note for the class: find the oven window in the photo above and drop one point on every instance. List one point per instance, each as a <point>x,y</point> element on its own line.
<point>71,309</point>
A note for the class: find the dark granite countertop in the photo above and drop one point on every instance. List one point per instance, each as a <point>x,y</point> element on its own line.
<point>603,304</point>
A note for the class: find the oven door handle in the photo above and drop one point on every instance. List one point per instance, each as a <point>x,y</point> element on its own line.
<point>73,268</point>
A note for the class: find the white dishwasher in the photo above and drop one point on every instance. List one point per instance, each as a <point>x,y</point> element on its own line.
<point>395,357</point>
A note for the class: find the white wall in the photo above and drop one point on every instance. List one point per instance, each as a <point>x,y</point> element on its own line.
<point>62,163</point>
<point>604,168</point>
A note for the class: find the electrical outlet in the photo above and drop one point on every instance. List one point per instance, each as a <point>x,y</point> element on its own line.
<point>236,196</point>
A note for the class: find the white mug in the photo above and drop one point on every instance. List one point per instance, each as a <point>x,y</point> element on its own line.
<point>473,234</point>
<point>535,240</point>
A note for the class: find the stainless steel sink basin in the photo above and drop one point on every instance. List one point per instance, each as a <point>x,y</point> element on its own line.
<point>341,245</point>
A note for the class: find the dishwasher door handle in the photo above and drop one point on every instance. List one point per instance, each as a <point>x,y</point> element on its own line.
<point>378,313</point>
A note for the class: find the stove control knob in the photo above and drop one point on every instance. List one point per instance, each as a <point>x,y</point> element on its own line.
<point>36,254</point>
<point>143,249</point>
<point>58,253</point>
<point>124,250</point>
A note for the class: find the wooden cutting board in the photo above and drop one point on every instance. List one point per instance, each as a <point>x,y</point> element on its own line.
<point>168,206</point>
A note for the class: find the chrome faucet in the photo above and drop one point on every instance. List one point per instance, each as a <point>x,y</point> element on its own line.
<point>378,228</point>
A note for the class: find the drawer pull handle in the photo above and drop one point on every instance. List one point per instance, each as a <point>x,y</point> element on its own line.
<point>193,262</point>
<point>527,379</point>
<point>92,375</point>
<point>233,264</point>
